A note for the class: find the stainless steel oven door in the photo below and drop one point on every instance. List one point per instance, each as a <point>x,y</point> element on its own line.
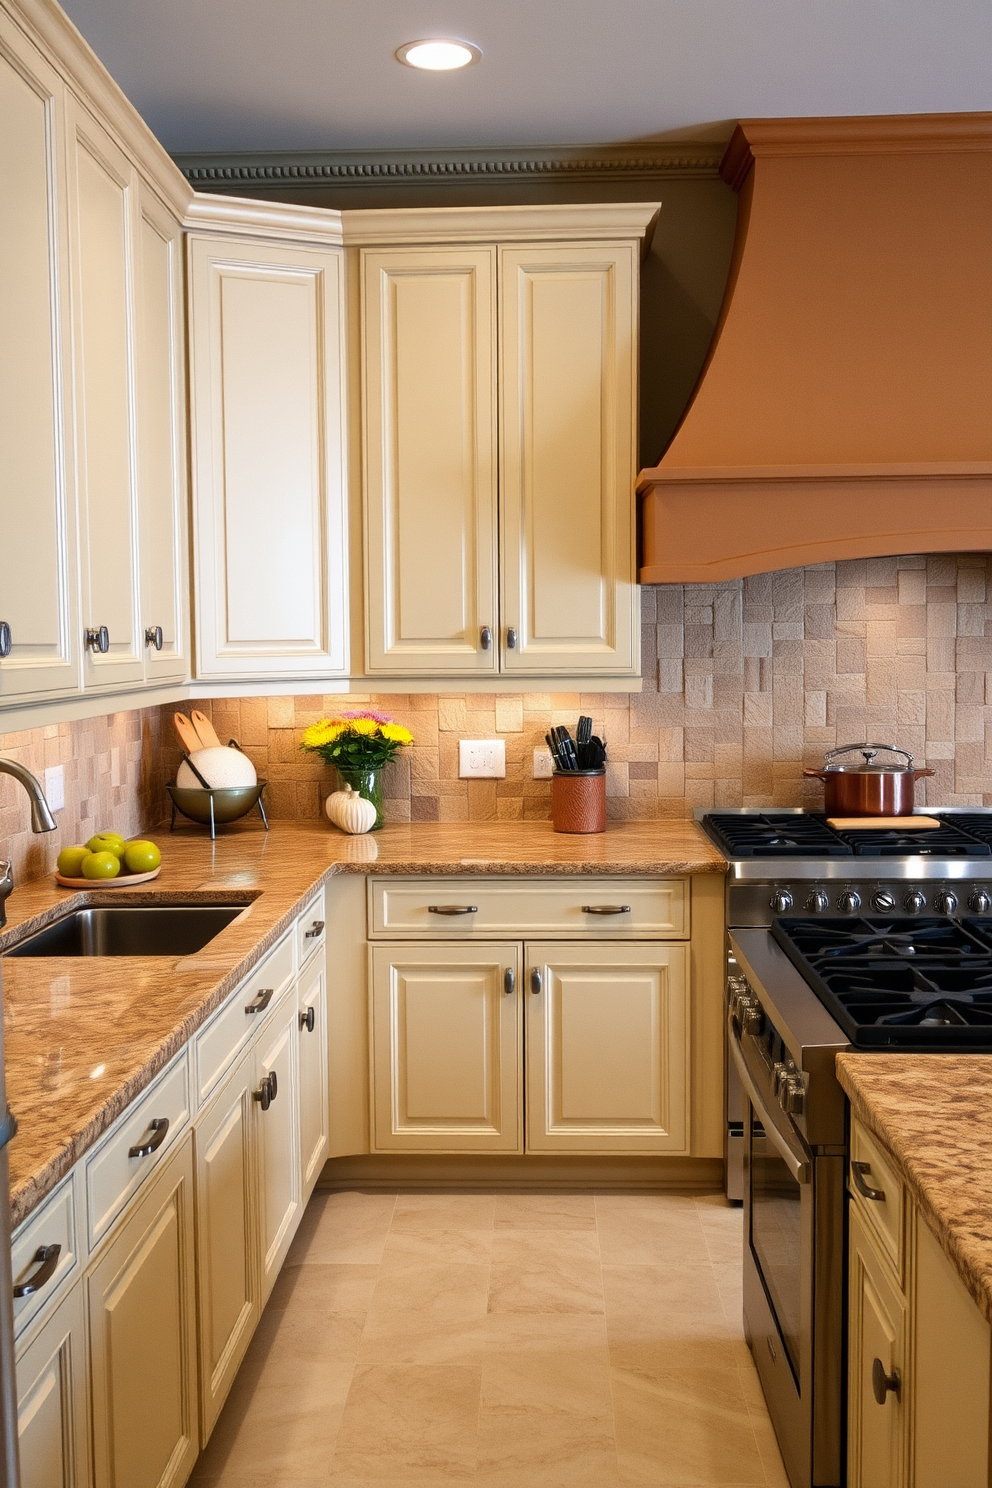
<point>793,1280</point>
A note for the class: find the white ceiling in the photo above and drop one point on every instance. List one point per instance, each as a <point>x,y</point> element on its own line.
<point>233,75</point>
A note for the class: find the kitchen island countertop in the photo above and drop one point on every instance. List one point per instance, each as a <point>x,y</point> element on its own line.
<point>85,1035</point>
<point>933,1115</point>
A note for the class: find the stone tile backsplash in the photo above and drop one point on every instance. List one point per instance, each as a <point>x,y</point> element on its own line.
<point>745,682</point>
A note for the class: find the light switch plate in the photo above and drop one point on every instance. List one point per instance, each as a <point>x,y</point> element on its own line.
<point>481,758</point>
<point>543,764</point>
<point>55,787</point>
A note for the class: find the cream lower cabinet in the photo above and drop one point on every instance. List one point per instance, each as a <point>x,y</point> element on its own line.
<point>446,1034</point>
<point>142,1326</point>
<point>606,1048</point>
<point>52,1405</point>
<point>227,1263</point>
<point>498,404</point>
<point>314,1105</point>
<point>275,1091</point>
<point>601,1031</point>
<point>919,1350</point>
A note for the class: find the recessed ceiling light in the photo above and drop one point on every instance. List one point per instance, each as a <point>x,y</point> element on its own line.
<point>438,55</point>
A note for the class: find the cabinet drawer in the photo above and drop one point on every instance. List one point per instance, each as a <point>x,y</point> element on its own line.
<point>218,1044</point>
<point>885,1215</point>
<point>518,908</point>
<point>310,929</point>
<point>112,1173</point>
<point>54,1224</point>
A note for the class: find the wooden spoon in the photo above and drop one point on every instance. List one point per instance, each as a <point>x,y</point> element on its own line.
<point>206,730</point>
<point>188,736</point>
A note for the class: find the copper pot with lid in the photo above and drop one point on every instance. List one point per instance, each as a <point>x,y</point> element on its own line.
<point>867,788</point>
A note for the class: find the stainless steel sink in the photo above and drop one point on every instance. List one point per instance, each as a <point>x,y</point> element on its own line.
<point>131,930</point>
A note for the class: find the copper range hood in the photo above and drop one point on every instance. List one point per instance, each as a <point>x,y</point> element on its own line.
<point>845,408</point>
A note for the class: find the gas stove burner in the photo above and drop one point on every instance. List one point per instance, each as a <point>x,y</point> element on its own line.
<point>944,841</point>
<point>775,835</point>
<point>897,983</point>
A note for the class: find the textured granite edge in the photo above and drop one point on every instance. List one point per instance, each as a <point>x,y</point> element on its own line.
<point>531,868</point>
<point>969,1251</point>
<point>26,1197</point>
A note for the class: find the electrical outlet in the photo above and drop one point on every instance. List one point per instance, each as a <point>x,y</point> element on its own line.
<point>55,787</point>
<point>544,765</point>
<point>481,758</point>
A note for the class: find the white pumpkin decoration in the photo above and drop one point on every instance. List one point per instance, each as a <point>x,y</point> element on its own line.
<point>350,811</point>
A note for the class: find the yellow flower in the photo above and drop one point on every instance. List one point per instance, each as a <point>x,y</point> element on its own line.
<point>362,726</point>
<point>396,733</point>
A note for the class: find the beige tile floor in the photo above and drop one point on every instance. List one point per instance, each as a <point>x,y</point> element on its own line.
<point>503,1341</point>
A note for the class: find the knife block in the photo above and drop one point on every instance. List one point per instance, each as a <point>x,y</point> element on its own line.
<point>578,800</point>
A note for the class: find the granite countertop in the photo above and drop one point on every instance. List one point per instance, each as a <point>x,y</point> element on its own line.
<point>83,1036</point>
<point>933,1115</point>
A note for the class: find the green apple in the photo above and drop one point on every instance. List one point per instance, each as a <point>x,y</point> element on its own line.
<point>110,842</point>
<point>69,860</point>
<point>100,865</point>
<point>141,856</point>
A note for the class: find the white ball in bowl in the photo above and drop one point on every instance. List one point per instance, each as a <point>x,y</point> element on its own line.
<point>220,768</point>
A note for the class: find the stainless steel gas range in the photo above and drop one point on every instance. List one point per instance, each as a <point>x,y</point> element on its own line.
<point>878,939</point>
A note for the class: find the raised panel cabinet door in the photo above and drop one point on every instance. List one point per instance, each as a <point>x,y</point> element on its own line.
<point>428,321</point>
<point>267,431</point>
<point>52,1415</point>
<point>876,1447</point>
<point>102,212</point>
<point>142,1326</point>
<point>567,368</point>
<point>38,585</point>
<point>161,441</point>
<point>226,1239</point>
<point>314,1110</point>
<point>446,1034</point>
<point>607,1048</point>
<point>280,1200</point>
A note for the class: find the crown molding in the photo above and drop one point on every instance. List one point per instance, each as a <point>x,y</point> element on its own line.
<point>50,29</point>
<point>589,221</point>
<point>249,217</point>
<point>316,170</point>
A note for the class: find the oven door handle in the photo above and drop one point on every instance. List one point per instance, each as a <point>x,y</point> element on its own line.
<point>797,1166</point>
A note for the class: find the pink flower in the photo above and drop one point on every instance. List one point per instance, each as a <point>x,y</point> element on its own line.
<point>367,713</point>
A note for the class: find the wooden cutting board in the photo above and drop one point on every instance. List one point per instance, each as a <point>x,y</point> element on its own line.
<point>883,823</point>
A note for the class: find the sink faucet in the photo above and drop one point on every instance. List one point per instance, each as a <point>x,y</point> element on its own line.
<point>41,821</point>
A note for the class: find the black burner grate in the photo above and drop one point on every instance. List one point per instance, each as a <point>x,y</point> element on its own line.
<point>899,983</point>
<point>945,841</point>
<point>776,835</point>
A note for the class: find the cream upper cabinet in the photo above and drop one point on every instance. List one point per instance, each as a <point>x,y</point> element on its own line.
<point>607,1048</point>
<point>160,410</point>
<point>567,374</point>
<point>102,212</point>
<point>446,1037</point>
<point>499,374</point>
<point>429,351</point>
<point>267,432</point>
<point>38,586</point>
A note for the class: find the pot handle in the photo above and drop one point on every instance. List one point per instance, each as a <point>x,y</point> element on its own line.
<point>868,750</point>
<point>919,774</point>
<point>818,774</point>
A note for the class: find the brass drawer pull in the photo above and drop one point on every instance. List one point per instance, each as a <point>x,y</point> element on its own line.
<point>47,1260</point>
<point>452,909</point>
<point>858,1171</point>
<point>158,1128</point>
<point>317,928</point>
<point>606,909</point>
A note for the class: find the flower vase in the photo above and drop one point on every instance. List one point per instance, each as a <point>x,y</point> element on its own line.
<point>367,783</point>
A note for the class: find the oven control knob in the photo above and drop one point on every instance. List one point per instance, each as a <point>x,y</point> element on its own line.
<point>792,1095</point>
<point>780,902</point>
<point>980,902</point>
<point>883,901</point>
<point>915,902</point>
<point>945,902</point>
<point>818,902</point>
<point>849,902</point>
